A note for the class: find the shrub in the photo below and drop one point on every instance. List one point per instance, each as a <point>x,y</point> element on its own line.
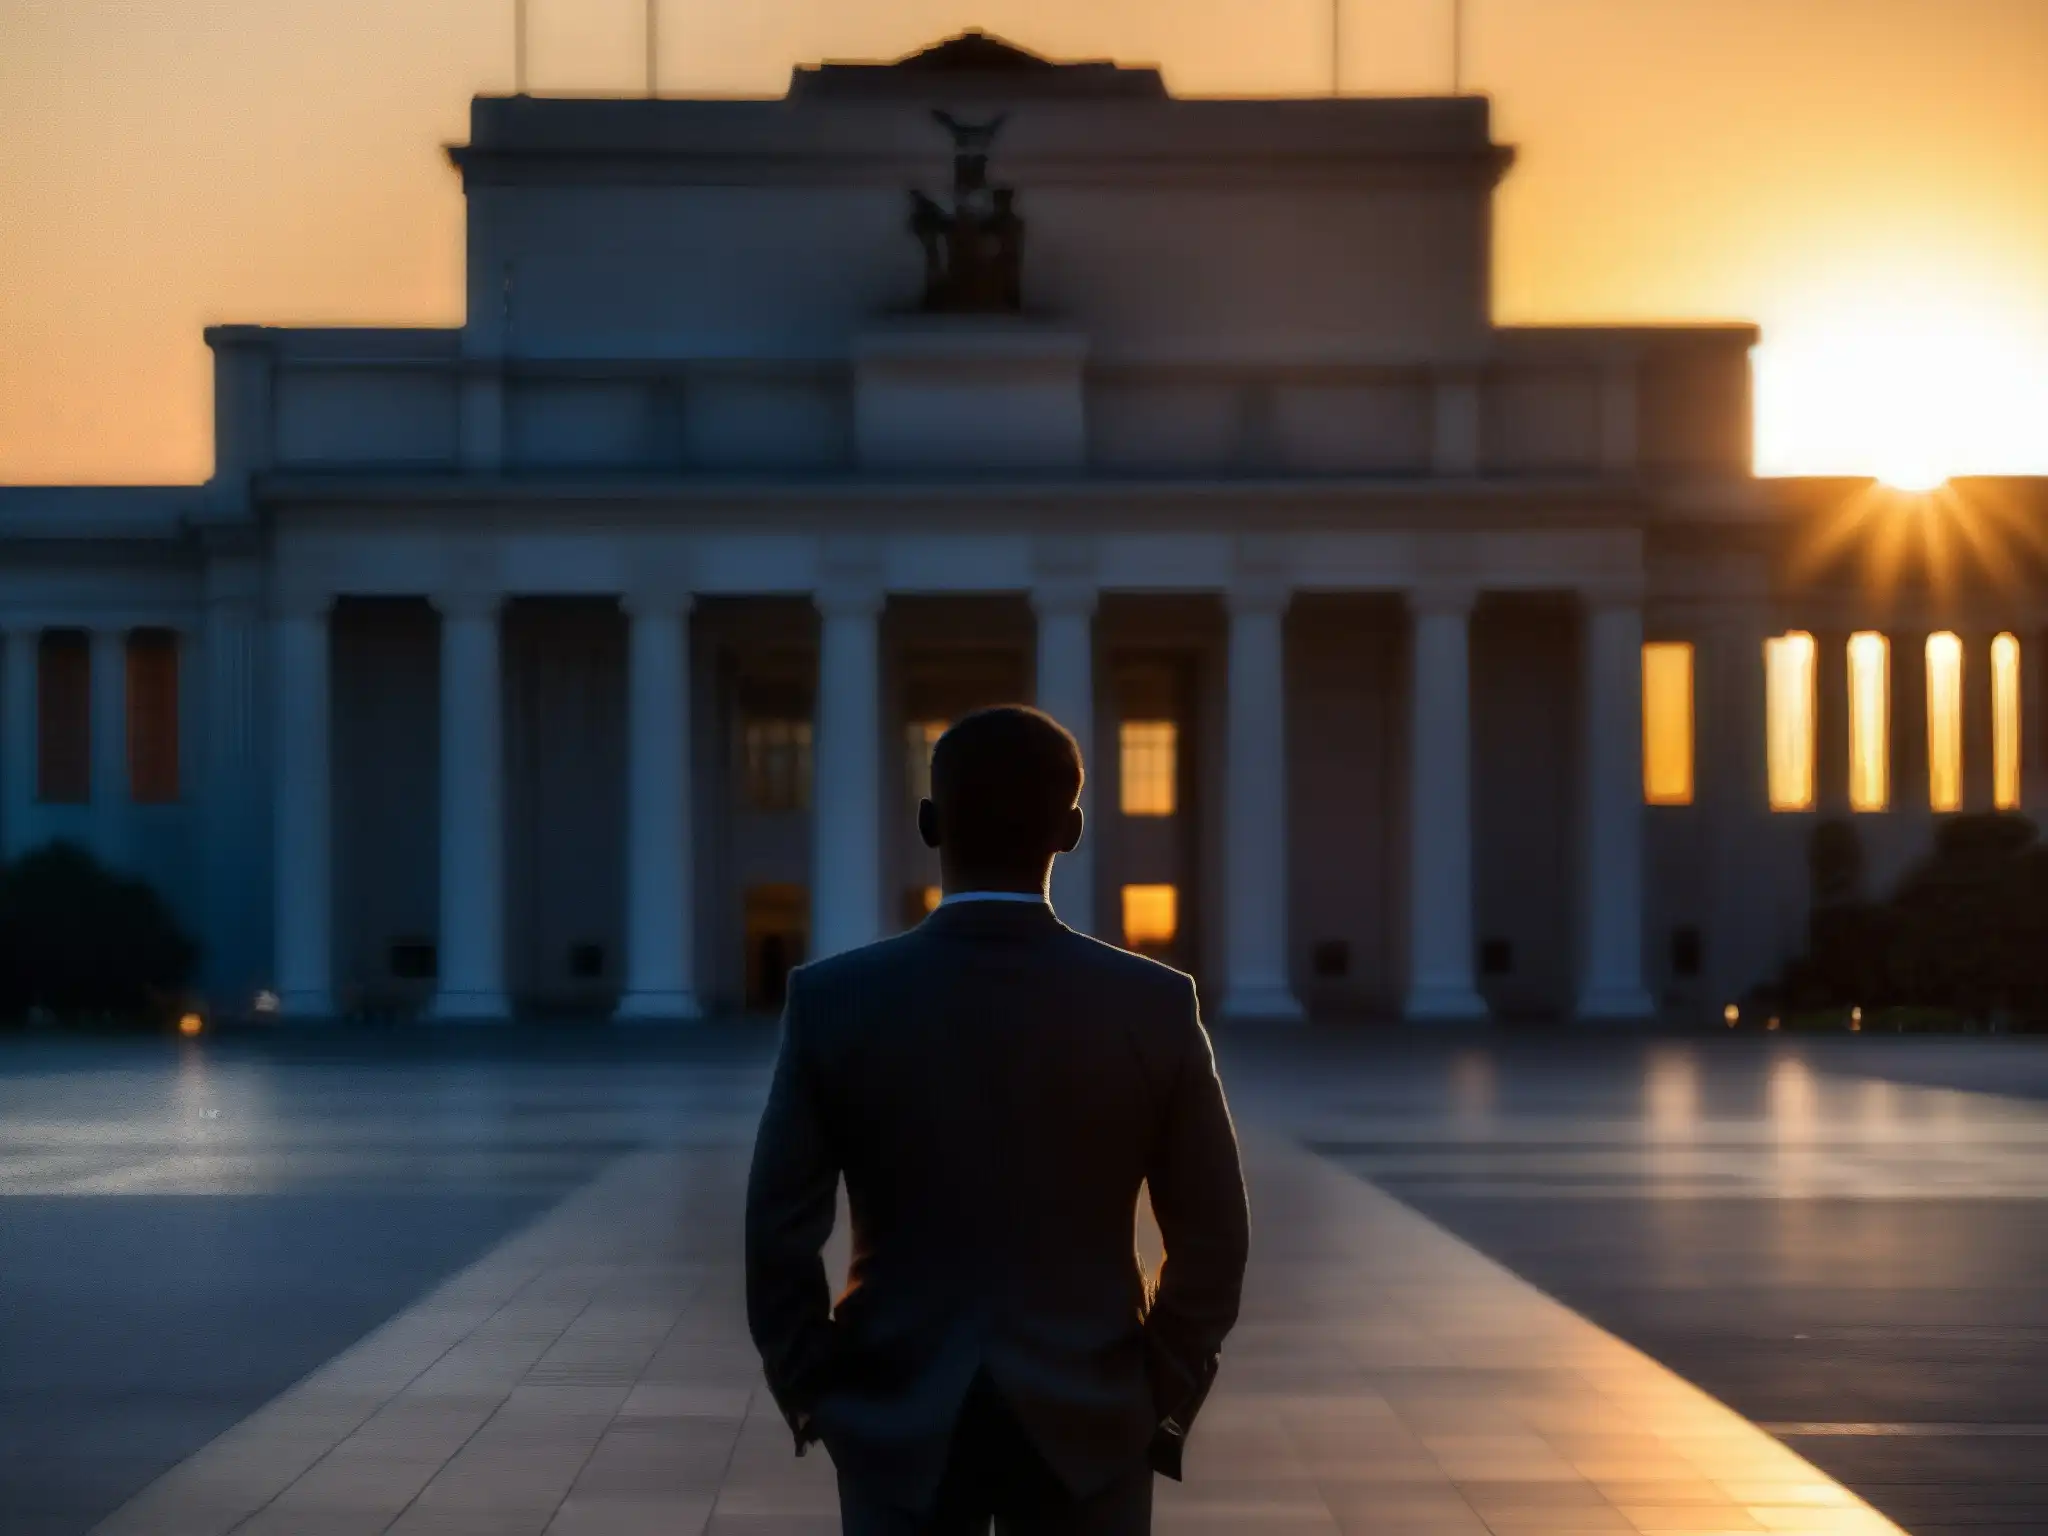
<point>81,940</point>
<point>1965,934</point>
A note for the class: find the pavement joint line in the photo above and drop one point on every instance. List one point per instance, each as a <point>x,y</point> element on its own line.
<point>1368,1329</point>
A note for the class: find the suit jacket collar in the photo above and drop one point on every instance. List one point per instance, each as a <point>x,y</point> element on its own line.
<point>1002,919</point>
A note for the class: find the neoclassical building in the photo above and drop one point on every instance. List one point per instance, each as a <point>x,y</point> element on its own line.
<point>584,658</point>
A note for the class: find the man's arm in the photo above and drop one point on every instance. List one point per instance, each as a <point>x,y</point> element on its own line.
<point>1198,1197</point>
<point>791,1194</point>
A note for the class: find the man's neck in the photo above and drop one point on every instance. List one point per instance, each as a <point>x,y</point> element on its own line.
<point>956,882</point>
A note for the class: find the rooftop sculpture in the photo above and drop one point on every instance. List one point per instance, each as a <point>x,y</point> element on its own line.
<point>973,251</point>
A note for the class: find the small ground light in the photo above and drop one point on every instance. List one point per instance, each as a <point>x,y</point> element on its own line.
<point>1772,1025</point>
<point>1731,1015</point>
<point>190,1024</point>
<point>1855,1018</point>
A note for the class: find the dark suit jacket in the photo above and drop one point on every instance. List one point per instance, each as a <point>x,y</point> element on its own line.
<point>994,1088</point>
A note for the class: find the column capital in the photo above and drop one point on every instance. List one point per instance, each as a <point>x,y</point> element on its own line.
<point>1064,575</point>
<point>1265,592</point>
<point>1260,581</point>
<point>850,581</point>
<point>1617,589</point>
<point>293,599</point>
<point>656,602</point>
<point>1441,595</point>
<point>468,603</point>
<point>233,579</point>
<point>1069,595</point>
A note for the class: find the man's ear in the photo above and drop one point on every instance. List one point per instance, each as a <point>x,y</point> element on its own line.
<point>928,823</point>
<point>1070,831</point>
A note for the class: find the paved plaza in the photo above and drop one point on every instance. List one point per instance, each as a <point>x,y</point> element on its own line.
<point>1528,1286</point>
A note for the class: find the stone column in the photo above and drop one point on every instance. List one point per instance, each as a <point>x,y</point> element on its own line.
<point>1611,981</point>
<point>1440,943</point>
<point>1066,691</point>
<point>109,707</point>
<point>1255,826</point>
<point>231,807</point>
<point>472,948</point>
<point>18,645</point>
<point>1977,764</point>
<point>660,916</point>
<point>303,884</point>
<point>846,848</point>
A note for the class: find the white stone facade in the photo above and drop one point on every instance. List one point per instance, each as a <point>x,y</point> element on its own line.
<point>472,622</point>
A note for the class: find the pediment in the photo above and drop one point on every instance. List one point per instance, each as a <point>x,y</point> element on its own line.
<point>974,63</point>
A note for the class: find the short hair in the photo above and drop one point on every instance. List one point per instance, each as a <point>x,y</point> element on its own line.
<point>1003,780</point>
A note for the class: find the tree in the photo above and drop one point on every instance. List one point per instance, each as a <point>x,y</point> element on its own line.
<point>81,940</point>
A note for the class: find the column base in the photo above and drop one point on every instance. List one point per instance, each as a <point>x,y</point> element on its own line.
<point>1269,1002</point>
<point>303,1007</point>
<point>1617,1005</point>
<point>657,1008</point>
<point>1444,1005</point>
<point>470,1008</point>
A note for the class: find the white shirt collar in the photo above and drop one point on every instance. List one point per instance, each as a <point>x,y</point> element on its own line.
<point>952,898</point>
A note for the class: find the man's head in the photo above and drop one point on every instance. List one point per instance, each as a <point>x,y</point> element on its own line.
<point>1006,787</point>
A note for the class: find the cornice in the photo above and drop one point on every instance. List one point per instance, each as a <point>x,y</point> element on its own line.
<point>1473,169</point>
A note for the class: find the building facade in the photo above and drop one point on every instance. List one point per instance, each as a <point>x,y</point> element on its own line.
<point>584,658</point>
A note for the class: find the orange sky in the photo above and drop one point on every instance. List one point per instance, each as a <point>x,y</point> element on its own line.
<point>1867,178</point>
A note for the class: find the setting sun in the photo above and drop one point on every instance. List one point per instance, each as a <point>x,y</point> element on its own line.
<point>1912,380</point>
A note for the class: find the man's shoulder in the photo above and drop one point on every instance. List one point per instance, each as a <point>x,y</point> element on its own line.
<point>854,968</point>
<point>1136,971</point>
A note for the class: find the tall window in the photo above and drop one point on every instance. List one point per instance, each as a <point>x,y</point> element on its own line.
<point>1870,702</point>
<point>1667,723</point>
<point>919,737</point>
<point>64,717</point>
<point>1151,917</point>
<point>1148,761</point>
<point>1788,719</point>
<point>776,770</point>
<point>152,716</point>
<point>2005,722</point>
<point>1944,722</point>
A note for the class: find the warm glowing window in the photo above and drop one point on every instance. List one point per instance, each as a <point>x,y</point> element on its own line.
<point>919,903</point>
<point>1944,722</point>
<point>1667,723</point>
<point>152,716</point>
<point>1870,702</point>
<point>1149,753</point>
<point>919,737</point>
<point>2005,722</point>
<point>64,717</point>
<point>1151,917</point>
<point>1788,720</point>
<point>776,772</point>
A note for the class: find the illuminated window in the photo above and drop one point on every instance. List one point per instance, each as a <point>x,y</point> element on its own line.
<point>776,772</point>
<point>1151,917</point>
<point>64,717</point>
<point>1944,722</point>
<point>152,716</point>
<point>919,737</point>
<point>1788,720</point>
<point>1667,723</point>
<point>1149,754</point>
<point>2005,722</point>
<point>1870,702</point>
<point>919,903</point>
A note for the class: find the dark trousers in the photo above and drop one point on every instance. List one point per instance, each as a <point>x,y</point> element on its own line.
<point>994,1475</point>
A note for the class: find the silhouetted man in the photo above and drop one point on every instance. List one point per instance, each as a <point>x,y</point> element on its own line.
<point>994,1088</point>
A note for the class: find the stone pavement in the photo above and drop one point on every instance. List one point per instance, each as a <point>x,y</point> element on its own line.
<point>591,1376</point>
